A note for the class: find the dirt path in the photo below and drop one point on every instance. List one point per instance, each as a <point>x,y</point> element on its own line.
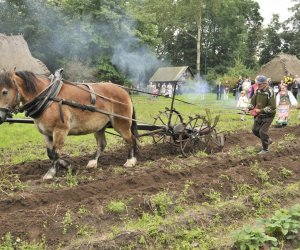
<point>40,209</point>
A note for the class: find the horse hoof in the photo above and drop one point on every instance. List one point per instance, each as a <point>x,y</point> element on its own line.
<point>50,174</point>
<point>64,164</point>
<point>92,164</point>
<point>130,163</point>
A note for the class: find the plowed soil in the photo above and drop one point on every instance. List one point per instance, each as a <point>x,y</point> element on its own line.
<point>39,210</point>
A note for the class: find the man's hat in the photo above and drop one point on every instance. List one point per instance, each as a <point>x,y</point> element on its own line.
<point>261,79</point>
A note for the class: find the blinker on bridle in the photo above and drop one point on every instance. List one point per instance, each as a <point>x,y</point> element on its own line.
<point>10,111</point>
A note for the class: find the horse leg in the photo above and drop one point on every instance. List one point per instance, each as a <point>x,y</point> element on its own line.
<point>54,145</point>
<point>101,144</point>
<point>132,145</point>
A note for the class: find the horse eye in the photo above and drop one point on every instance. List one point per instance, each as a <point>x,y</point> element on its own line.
<point>4,92</point>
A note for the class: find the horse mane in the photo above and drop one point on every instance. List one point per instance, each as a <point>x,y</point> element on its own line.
<point>6,80</point>
<point>29,79</point>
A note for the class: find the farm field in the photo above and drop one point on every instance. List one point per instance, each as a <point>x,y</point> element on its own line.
<point>165,202</point>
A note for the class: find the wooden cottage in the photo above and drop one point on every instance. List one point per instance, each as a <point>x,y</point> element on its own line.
<point>176,76</point>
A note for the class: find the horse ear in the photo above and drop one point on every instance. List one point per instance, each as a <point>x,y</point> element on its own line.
<point>12,72</point>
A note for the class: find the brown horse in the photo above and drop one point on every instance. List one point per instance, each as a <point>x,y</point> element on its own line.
<point>61,108</point>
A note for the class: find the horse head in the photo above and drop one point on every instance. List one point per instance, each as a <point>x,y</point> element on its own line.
<point>9,97</point>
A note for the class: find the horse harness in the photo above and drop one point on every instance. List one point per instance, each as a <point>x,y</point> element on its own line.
<point>38,105</point>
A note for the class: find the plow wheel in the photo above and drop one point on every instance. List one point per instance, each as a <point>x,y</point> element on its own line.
<point>168,119</point>
<point>196,136</point>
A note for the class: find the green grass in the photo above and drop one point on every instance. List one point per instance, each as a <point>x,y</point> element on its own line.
<point>23,142</point>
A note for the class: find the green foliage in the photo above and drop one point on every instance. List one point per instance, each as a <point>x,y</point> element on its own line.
<point>183,195</point>
<point>260,202</point>
<point>116,207</point>
<point>271,44</point>
<point>285,173</point>
<point>239,69</point>
<point>245,189</point>
<point>72,179</point>
<point>161,203</point>
<point>213,196</point>
<point>108,72</point>
<point>284,223</point>
<point>261,174</point>
<point>150,223</point>
<point>82,210</point>
<point>67,221</point>
<point>9,181</point>
<point>9,244</point>
<point>225,30</point>
<point>84,230</point>
<point>289,137</point>
<point>252,238</point>
<point>236,151</point>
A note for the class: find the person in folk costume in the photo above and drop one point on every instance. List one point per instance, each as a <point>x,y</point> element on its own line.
<point>246,85</point>
<point>284,100</point>
<point>169,91</point>
<point>288,80</point>
<point>263,108</point>
<point>285,96</point>
<point>243,103</point>
<point>150,87</point>
<point>226,90</point>
<point>163,89</point>
<point>155,91</point>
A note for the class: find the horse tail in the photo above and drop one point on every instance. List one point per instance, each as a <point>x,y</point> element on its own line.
<point>134,131</point>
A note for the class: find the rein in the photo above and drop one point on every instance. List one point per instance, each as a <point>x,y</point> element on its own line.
<point>145,92</point>
<point>90,108</point>
<point>78,85</point>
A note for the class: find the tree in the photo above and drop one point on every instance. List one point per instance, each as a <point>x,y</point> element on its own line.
<point>291,32</point>
<point>271,44</point>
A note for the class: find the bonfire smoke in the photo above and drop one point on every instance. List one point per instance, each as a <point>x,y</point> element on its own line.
<point>134,58</point>
<point>200,86</point>
<point>130,55</point>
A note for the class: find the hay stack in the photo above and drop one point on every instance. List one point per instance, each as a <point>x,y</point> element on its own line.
<point>280,66</point>
<point>14,52</point>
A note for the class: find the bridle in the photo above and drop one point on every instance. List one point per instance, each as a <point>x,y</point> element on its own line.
<point>10,111</point>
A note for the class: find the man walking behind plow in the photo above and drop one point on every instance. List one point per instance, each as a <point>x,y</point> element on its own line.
<point>263,108</point>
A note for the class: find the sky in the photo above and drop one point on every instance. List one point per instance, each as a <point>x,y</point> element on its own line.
<point>270,7</point>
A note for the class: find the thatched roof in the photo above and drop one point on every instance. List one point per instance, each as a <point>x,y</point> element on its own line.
<point>172,74</point>
<point>15,53</point>
<point>280,66</point>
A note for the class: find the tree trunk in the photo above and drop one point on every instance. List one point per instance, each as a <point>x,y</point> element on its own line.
<point>198,39</point>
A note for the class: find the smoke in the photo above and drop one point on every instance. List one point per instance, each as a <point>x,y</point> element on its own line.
<point>84,39</point>
<point>200,86</point>
<point>135,59</point>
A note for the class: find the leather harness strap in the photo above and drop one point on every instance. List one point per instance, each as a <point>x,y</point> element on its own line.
<point>85,107</point>
<point>37,106</point>
<point>92,92</point>
<point>79,85</point>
